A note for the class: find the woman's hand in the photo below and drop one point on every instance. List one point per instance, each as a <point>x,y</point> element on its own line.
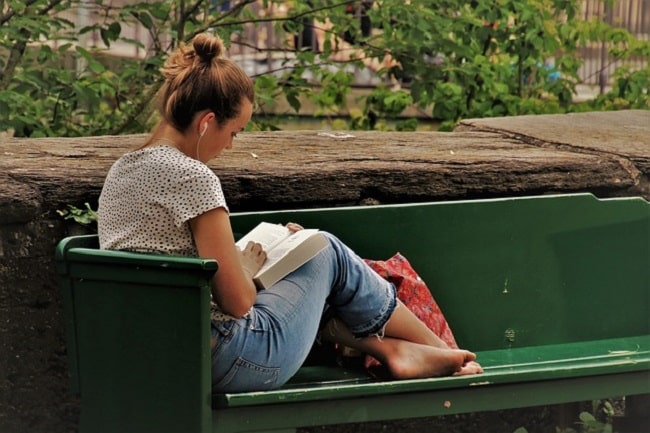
<point>293,227</point>
<point>252,258</point>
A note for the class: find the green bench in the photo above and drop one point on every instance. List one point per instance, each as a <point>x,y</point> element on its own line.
<point>551,292</point>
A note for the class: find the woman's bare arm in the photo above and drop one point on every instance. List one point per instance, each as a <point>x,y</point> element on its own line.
<point>233,288</point>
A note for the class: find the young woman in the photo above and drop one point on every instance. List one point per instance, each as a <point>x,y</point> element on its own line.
<point>163,198</point>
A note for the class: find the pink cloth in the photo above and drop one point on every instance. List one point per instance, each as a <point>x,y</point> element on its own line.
<point>415,294</point>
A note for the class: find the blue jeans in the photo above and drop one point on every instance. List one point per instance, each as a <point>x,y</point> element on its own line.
<point>266,348</point>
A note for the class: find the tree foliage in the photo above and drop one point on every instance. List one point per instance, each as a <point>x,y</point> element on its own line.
<point>452,59</point>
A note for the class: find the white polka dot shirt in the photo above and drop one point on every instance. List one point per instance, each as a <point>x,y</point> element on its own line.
<point>148,198</point>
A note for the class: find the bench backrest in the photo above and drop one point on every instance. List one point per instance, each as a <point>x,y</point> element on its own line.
<point>511,272</point>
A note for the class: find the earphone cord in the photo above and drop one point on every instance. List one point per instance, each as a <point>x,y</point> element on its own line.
<point>197,147</point>
<point>205,128</point>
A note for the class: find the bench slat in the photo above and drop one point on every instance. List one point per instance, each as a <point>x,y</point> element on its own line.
<point>419,403</point>
<point>536,363</point>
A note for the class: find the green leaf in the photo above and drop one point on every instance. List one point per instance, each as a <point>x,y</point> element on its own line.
<point>293,100</point>
<point>586,417</point>
<point>83,52</point>
<point>146,20</point>
<point>96,67</point>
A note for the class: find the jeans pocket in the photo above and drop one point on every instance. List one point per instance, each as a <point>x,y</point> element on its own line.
<point>222,332</point>
<point>244,376</point>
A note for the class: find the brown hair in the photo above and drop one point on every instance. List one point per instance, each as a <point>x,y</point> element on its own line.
<point>197,78</point>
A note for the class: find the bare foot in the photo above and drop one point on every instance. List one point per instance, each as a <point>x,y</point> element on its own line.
<point>412,360</point>
<point>471,367</point>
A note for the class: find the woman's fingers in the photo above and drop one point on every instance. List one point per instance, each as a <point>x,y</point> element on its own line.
<point>294,227</point>
<point>253,257</point>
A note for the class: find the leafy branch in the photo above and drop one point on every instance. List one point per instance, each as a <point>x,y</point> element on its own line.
<point>452,58</point>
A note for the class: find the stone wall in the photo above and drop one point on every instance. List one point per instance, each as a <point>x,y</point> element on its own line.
<point>605,153</point>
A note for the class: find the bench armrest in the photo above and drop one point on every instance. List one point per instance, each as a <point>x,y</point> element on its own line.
<point>139,326</point>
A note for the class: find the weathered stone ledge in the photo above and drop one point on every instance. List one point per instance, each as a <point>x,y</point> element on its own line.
<point>605,153</point>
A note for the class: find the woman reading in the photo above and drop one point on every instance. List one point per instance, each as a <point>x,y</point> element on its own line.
<point>163,198</point>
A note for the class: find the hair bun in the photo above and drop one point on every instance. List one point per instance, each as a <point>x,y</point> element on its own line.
<point>208,47</point>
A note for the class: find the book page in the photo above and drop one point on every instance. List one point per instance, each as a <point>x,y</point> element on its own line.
<point>266,234</point>
<point>290,254</point>
<point>286,245</point>
<point>279,243</point>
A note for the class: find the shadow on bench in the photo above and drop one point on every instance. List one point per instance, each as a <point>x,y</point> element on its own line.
<point>551,292</point>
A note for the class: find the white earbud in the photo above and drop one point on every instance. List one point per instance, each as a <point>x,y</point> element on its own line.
<point>205,128</point>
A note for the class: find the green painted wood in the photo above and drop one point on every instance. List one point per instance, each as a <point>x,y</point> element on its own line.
<point>511,272</point>
<point>417,404</point>
<point>138,334</point>
<point>552,292</point>
<point>503,366</point>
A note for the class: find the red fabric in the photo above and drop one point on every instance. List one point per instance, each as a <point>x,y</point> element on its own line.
<point>415,294</point>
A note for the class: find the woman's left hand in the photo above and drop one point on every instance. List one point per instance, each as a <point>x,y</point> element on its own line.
<point>293,227</point>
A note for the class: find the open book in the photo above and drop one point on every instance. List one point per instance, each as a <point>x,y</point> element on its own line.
<point>285,251</point>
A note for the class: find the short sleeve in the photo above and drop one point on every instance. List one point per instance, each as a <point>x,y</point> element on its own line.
<point>148,198</point>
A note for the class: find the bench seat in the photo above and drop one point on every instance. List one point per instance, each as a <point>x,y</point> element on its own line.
<point>513,378</point>
<point>505,366</point>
